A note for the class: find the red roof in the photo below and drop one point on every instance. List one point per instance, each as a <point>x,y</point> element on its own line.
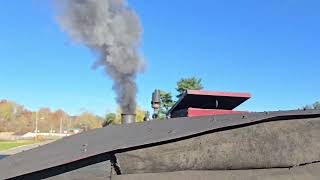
<point>209,100</point>
<point>216,93</point>
<point>193,112</point>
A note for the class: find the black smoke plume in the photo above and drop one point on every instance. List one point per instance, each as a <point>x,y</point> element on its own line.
<point>113,31</point>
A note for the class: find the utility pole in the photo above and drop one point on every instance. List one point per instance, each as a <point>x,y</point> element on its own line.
<point>69,122</point>
<point>36,123</point>
<point>60,125</point>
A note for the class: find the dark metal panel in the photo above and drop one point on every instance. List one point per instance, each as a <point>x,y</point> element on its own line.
<point>307,172</point>
<point>209,100</point>
<point>262,146</point>
<point>87,148</point>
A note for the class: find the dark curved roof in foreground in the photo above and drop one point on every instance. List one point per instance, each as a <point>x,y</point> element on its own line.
<point>102,144</point>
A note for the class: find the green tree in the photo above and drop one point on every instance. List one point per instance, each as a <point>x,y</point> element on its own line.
<point>166,103</point>
<point>192,83</point>
<point>9,113</point>
<point>88,121</point>
<point>45,119</point>
<point>307,107</point>
<point>316,105</point>
<point>55,118</point>
<point>140,113</point>
<point>109,119</point>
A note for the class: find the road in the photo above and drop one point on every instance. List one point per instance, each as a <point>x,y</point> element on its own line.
<point>2,156</point>
<point>16,150</point>
<point>22,148</point>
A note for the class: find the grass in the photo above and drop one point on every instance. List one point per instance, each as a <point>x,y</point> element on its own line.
<point>5,145</point>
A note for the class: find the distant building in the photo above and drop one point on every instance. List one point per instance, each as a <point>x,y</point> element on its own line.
<point>73,131</point>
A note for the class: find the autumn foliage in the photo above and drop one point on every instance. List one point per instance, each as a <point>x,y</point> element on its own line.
<point>16,118</point>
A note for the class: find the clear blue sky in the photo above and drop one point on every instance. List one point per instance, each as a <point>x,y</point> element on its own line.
<point>270,48</point>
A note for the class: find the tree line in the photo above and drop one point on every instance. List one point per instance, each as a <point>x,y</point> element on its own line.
<point>315,105</point>
<point>15,118</point>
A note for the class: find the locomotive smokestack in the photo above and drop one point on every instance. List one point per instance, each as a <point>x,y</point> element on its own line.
<point>128,118</point>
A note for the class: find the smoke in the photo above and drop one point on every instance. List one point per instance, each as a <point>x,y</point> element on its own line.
<point>113,31</point>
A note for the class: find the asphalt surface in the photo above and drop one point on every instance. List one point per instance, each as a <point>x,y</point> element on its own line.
<point>2,156</point>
